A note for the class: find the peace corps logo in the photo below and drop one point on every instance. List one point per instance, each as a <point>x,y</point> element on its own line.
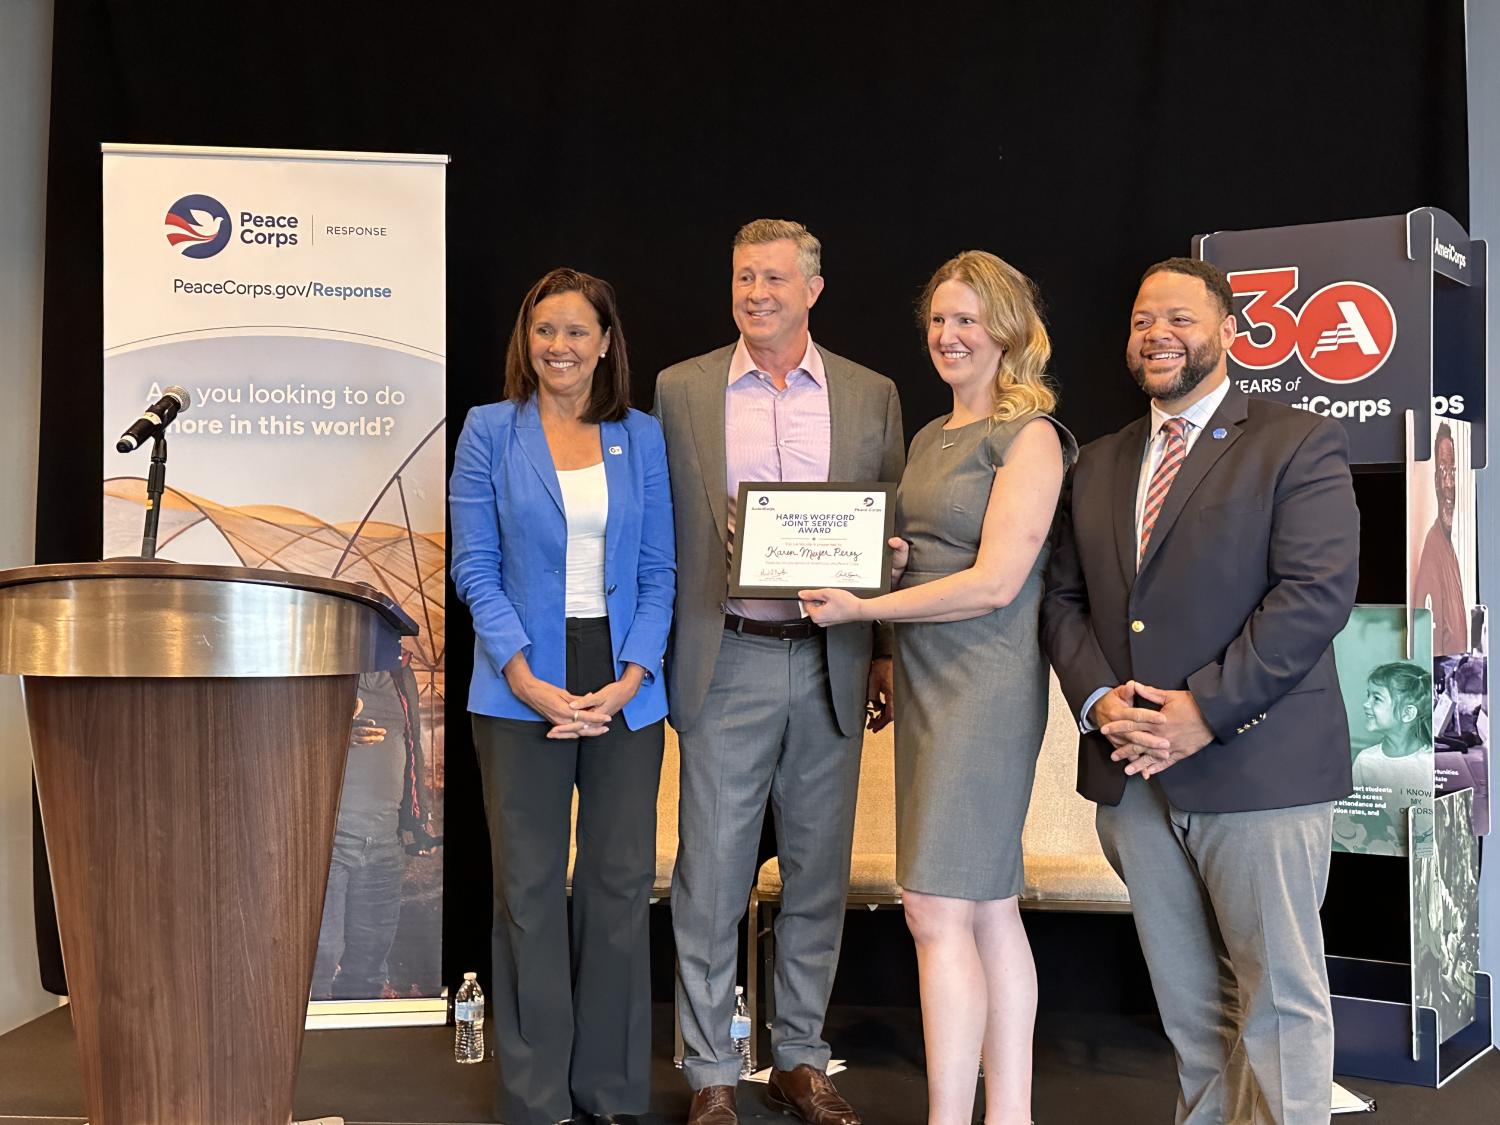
<point>869,501</point>
<point>764,500</point>
<point>1343,333</point>
<point>198,226</point>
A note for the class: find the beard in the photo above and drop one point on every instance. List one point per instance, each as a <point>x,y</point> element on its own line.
<point>1197,365</point>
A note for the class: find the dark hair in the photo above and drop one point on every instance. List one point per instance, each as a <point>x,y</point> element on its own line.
<point>1408,686</point>
<point>1444,433</point>
<point>1208,273</point>
<point>609,398</point>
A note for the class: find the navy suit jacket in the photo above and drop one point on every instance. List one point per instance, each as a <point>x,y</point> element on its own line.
<point>510,539</point>
<point>1249,575</point>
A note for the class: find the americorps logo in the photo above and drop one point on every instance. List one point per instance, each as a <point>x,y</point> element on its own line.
<point>1343,333</point>
<point>198,226</point>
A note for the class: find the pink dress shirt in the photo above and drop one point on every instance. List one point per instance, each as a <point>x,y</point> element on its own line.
<point>772,435</point>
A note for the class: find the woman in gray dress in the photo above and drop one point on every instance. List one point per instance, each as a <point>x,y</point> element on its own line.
<point>973,514</point>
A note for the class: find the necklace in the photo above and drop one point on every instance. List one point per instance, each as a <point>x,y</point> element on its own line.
<point>950,436</point>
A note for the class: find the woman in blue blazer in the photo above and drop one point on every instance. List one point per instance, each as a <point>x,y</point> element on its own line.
<point>563,552</point>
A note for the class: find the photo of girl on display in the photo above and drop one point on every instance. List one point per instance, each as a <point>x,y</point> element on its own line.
<point>1398,766</point>
<point>1388,701</point>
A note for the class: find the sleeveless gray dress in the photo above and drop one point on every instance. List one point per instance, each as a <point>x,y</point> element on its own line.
<point>971,695</point>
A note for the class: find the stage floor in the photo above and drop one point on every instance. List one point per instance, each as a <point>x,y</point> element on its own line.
<point>1088,1068</point>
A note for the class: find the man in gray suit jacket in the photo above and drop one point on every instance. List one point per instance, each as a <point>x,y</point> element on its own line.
<point>1207,554</point>
<point>765,703</point>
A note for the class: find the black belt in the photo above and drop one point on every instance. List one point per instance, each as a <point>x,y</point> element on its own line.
<point>781,630</point>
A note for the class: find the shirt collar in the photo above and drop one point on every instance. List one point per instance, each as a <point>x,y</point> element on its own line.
<point>1197,415</point>
<point>741,364</point>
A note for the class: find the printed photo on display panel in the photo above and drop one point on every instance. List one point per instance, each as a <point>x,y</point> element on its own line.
<point>1388,701</point>
<point>1441,553</point>
<point>1461,721</point>
<point>1445,918</point>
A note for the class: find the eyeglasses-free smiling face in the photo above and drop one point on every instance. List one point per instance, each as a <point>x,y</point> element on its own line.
<point>566,341</point>
<point>964,354</point>
<point>1178,335</point>
<point>770,297</point>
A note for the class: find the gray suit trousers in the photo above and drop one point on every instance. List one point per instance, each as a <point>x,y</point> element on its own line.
<point>767,729</point>
<point>1226,906</point>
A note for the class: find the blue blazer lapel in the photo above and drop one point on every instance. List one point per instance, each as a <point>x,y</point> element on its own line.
<point>614,441</point>
<point>534,444</point>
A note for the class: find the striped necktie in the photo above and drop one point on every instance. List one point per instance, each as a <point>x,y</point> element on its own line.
<point>1173,454</point>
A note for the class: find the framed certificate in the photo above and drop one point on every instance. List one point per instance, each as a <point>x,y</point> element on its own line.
<point>810,535</point>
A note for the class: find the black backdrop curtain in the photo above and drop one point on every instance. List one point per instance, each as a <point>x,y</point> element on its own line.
<point>1079,141</point>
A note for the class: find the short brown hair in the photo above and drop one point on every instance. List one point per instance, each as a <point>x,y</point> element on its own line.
<point>1008,300</point>
<point>609,397</point>
<point>809,250</point>
<point>1216,281</point>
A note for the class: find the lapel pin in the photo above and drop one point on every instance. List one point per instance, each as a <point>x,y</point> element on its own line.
<point>1220,434</point>
<point>615,450</point>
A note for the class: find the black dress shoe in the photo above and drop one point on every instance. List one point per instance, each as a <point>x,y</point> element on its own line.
<point>609,1119</point>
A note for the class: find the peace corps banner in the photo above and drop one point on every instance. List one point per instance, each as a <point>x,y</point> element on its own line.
<point>298,298</point>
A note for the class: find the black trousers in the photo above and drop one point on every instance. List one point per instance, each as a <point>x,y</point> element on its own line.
<point>572,1020</point>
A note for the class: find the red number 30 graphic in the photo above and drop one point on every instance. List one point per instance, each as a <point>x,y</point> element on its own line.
<point>1343,333</point>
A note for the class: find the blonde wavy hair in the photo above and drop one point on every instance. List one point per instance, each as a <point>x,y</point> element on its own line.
<point>1008,300</point>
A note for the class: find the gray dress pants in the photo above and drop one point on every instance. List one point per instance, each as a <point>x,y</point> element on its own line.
<point>572,1032</point>
<point>767,731</point>
<point>1226,907</point>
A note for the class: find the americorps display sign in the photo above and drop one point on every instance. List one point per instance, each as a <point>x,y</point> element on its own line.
<point>1338,319</point>
<point>299,299</point>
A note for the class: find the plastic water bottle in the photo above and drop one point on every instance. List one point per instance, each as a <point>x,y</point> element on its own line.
<point>739,1032</point>
<point>468,1021</point>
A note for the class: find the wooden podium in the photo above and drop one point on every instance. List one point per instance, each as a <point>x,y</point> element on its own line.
<point>189,726</point>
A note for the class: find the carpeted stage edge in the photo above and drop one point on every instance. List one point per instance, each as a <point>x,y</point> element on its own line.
<point>1089,1068</point>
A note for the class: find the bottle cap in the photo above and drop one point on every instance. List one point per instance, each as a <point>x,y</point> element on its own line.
<point>471,976</point>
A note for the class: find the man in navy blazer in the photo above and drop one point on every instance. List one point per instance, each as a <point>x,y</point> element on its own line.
<point>1206,556</point>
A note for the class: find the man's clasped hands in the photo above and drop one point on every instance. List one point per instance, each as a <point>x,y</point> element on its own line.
<point>1149,739</point>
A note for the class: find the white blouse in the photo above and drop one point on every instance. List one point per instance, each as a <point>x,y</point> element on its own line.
<point>585,495</point>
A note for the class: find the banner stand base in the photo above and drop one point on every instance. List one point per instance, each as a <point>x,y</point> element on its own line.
<point>325,1015</point>
<point>1372,1020</point>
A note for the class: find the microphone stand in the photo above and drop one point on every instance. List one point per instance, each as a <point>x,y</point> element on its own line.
<point>156,484</point>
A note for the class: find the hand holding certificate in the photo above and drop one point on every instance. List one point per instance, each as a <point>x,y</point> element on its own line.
<point>795,536</point>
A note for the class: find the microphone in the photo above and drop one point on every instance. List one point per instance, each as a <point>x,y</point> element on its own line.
<point>154,419</point>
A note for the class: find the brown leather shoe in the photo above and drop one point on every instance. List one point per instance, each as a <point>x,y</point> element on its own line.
<point>713,1105</point>
<point>808,1093</point>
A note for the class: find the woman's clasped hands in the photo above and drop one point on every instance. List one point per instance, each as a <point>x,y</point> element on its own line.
<point>575,716</point>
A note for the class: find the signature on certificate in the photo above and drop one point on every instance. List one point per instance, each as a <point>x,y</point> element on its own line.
<point>773,573</point>
<point>813,554</point>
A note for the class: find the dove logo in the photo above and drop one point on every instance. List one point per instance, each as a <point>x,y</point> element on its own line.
<point>198,226</point>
